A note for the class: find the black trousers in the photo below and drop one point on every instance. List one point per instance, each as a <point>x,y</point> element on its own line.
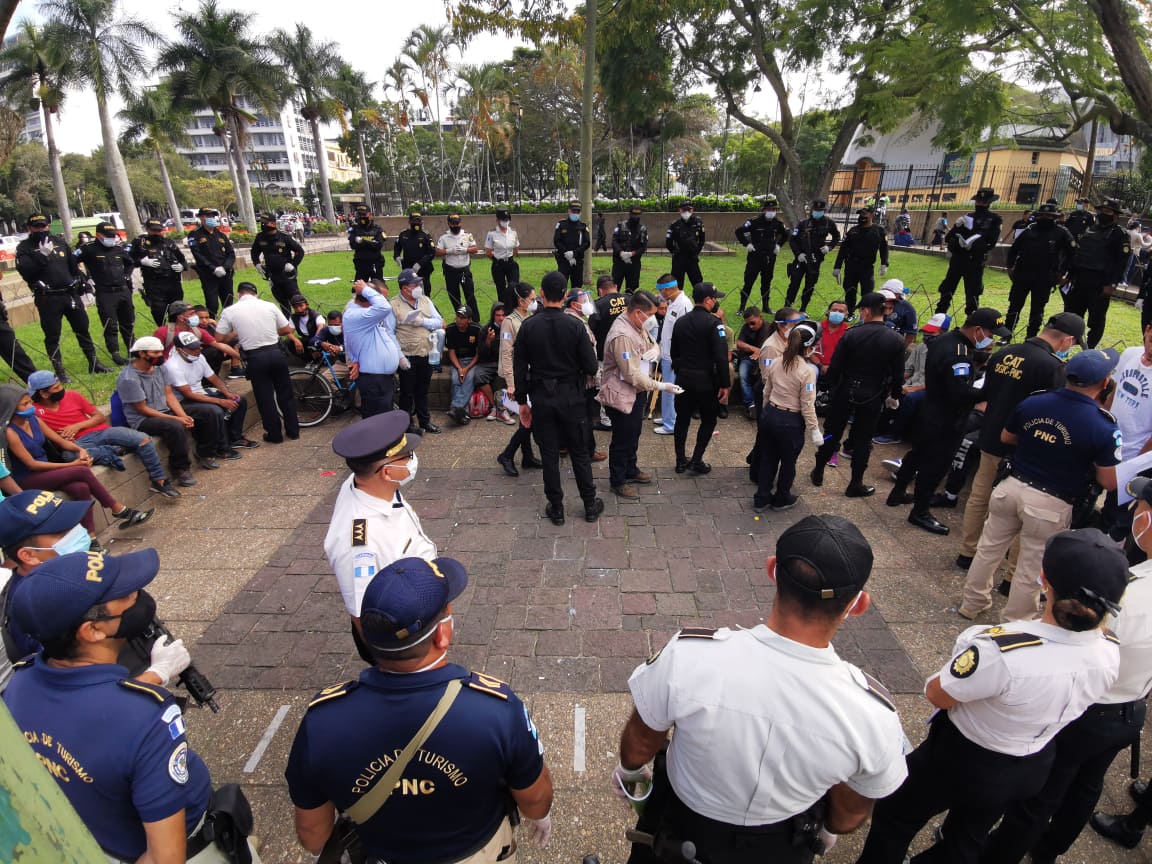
<point>376,393</point>
<point>456,278</point>
<point>762,267</point>
<point>626,429</point>
<point>971,270</point>
<point>627,276</point>
<point>780,440</point>
<point>865,416</point>
<point>414,389</point>
<point>217,290</point>
<point>929,459</point>
<point>558,420</point>
<point>53,309</point>
<point>210,431</point>
<point>10,350</point>
<point>857,274</point>
<point>521,440</point>
<point>1088,300</point>
<point>949,772</point>
<point>686,266</point>
<point>505,276</point>
<point>1037,286</point>
<point>368,268</point>
<point>592,413</point>
<point>573,272</point>
<point>175,438</point>
<point>271,385</point>
<point>809,274</point>
<point>159,295</point>
<point>688,403</point>
<point>116,312</point>
<point>283,287</point>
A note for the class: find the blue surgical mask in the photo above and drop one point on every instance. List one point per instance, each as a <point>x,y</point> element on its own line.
<point>211,223</point>
<point>1063,355</point>
<point>817,214</point>
<point>573,217</point>
<point>76,540</point>
<point>986,342</point>
<point>108,241</point>
<point>193,320</point>
<point>27,412</point>
<point>836,317</point>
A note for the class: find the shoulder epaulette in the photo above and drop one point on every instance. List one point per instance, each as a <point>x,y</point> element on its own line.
<point>1008,641</point>
<point>333,692</point>
<point>877,691</point>
<point>697,633</point>
<point>156,692</point>
<point>26,663</point>
<point>1106,413</point>
<point>1110,636</point>
<point>488,684</point>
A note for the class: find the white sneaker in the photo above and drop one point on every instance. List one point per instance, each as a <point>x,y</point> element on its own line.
<point>659,421</point>
<point>660,430</point>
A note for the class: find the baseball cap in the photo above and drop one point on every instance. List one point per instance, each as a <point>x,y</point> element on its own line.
<point>687,205</point>
<point>888,294</point>
<point>41,379</point>
<point>1140,488</point>
<point>146,343</point>
<point>107,229</point>
<point>381,436</point>
<point>408,276</point>
<point>463,312</point>
<point>403,602</point>
<point>873,301</point>
<point>178,308</point>
<point>938,322</point>
<point>575,204</point>
<point>36,512</point>
<point>37,220</point>
<point>414,216</point>
<point>1068,323</point>
<point>989,319</point>
<point>207,211</point>
<point>896,286</point>
<point>1110,204</point>
<point>635,210</point>
<point>1085,565</point>
<point>454,219</point>
<point>703,290</point>
<point>297,298</point>
<point>503,215</point>
<point>1091,367</point>
<point>188,341</point>
<point>834,548</point>
<point>65,588</point>
<point>153,224</point>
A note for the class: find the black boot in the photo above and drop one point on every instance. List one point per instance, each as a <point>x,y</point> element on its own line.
<point>899,495</point>
<point>1117,829</point>
<point>817,475</point>
<point>61,372</point>
<point>95,366</point>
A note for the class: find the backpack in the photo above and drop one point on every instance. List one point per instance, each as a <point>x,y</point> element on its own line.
<point>478,405</point>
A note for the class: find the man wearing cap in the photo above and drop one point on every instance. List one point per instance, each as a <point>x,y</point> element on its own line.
<point>501,246</point>
<point>948,399</point>
<point>1098,266</point>
<point>462,348</point>
<point>306,323</point>
<point>109,266</point>
<point>1038,260</point>
<point>810,241</point>
<point>277,257</point>
<point>221,410</point>
<point>743,778</point>
<point>969,241</point>
<point>1062,439</point>
<point>215,259</point>
<point>762,236</point>
<point>415,250</point>
<point>456,246</point>
<point>570,241</point>
<point>1013,373</point>
<point>446,797</point>
<point>366,239</point>
<point>629,243</point>
<point>417,319</point>
<point>679,305</point>
<point>162,265</point>
<point>45,262</point>
<point>257,325</point>
<point>863,242</point>
<point>685,240</point>
<point>371,347</point>
<point>698,353</point>
<point>1000,700</point>
<point>899,314</point>
<point>1078,221</point>
<point>186,318</point>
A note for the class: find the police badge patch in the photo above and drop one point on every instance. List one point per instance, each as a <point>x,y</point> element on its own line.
<point>965,663</point>
<point>178,764</point>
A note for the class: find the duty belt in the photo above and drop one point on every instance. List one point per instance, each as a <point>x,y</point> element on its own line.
<point>782,408</point>
<point>1040,487</point>
<point>1125,710</point>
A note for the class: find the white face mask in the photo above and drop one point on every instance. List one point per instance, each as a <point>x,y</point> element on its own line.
<point>193,320</point>
<point>769,214</point>
<point>652,325</point>
<point>433,663</point>
<point>588,308</point>
<point>412,464</point>
<point>686,216</point>
<point>417,292</point>
<point>335,329</point>
<point>533,306</point>
<point>504,223</point>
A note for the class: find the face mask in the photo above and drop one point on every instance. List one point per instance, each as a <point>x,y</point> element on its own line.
<point>27,412</point>
<point>769,214</point>
<point>189,358</point>
<point>836,317</point>
<point>76,540</point>
<point>137,618</point>
<point>57,396</point>
<point>1136,535</point>
<point>335,329</point>
<point>504,223</point>
<point>455,229</point>
<point>433,663</point>
<point>652,325</point>
<point>861,220</point>
<point>573,217</point>
<point>108,241</point>
<point>193,320</point>
<point>1079,206</point>
<point>986,342</point>
<point>686,216</point>
<point>817,214</point>
<point>588,308</point>
<point>417,292</point>
<point>156,361</point>
<point>412,464</point>
<point>211,223</point>
<point>1105,219</point>
<point>534,305</point>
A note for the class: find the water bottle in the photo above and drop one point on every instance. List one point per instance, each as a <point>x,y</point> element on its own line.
<point>436,347</point>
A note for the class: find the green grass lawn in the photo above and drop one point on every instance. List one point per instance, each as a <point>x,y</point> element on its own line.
<point>921,273</point>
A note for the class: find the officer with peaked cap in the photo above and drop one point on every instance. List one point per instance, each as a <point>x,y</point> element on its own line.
<point>162,265</point>
<point>970,240</point>
<point>215,259</point>
<point>1098,266</point>
<point>570,242</point>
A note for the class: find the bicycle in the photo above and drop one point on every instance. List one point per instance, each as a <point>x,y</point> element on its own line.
<point>317,395</point>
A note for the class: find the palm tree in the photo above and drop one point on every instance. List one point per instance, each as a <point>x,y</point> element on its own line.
<point>397,79</point>
<point>484,100</point>
<point>427,49</point>
<point>108,54</point>
<point>354,91</point>
<point>34,68</point>
<point>312,68</point>
<point>155,120</point>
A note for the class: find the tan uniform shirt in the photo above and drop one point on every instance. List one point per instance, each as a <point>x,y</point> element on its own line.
<point>792,389</point>
<point>508,331</point>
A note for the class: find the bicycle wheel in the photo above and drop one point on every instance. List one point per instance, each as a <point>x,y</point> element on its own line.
<point>313,397</point>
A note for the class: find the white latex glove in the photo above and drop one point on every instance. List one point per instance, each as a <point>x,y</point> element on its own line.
<point>177,268</point>
<point>651,355</point>
<point>776,249</point>
<point>626,257</point>
<point>45,247</point>
<point>816,437</point>
<point>571,256</point>
<point>892,402</point>
<point>169,659</point>
<point>622,778</point>
<point>827,840</point>
<point>1139,304</point>
<point>539,831</point>
<point>824,250</point>
<point>966,221</point>
<point>219,272</point>
<point>262,270</point>
<point>416,269</point>
<point>291,268</point>
<point>414,318</point>
<point>801,258</point>
<point>149,262</point>
<point>836,276</point>
<point>883,269</point>
<point>398,264</point>
<point>669,387</point>
<point>359,238</point>
<point>750,248</point>
<point>405,363</point>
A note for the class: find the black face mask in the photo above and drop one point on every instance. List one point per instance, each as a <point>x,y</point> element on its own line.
<point>269,229</point>
<point>633,221</point>
<point>861,220</point>
<point>1045,224</point>
<point>415,226</point>
<point>57,396</point>
<point>137,618</point>
<point>1105,219</point>
<point>455,229</point>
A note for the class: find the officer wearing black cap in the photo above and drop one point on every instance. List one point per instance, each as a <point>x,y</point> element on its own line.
<point>857,255</point>
<point>762,236</point>
<point>1038,260</point>
<point>366,239</point>
<point>811,241</point>
<point>502,245</point>
<point>458,743</point>
<point>969,241</point>
<point>110,267</point>
<point>570,241</point>
<point>699,354</point>
<point>1000,700</point>
<point>45,262</point>
<point>457,246</point>
<point>1098,267</point>
<point>416,250</point>
<point>629,243</point>
<point>215,259</point>
<point>162,265</point>
<point>277,258</point>
<point>1080,218</point>
<point>780,745</point>
<point>685,240</point>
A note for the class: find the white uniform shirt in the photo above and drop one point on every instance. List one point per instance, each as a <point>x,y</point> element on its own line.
<point>677,309</point>
<point>367,534</point>
<point>1015,701</point>
<point>257,322</point>
<point>180,372</point>
<point>502,243</point>
<point>1133,627</point>
<point>456,248</point>
<point>765,726</point>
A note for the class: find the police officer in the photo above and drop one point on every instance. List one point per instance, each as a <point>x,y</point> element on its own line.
<point>277,258</point>
<point>762,236</point>
<point>372,523</point>
<point>551,359</point>
<point>570,241</point>
<point>609,303</point>
<point>1062,440</point>
<point>1098,266</point>
<point>863,242</point>
<point>685,240</point>
<point>744,778</point>
<point>698,351</point>
<point>46,263</point>
<point>1038,260</point>
<point>629,243</point>
<point>456,246</point>
<point>948,398</point>
<point>502,245</point>
<point>109,266</point>
<point>1001,700</point>
<point>811,241</point>
<point>215,259</point>
<point>1079,220</point>
<point>446,787</point>
<point>969,241</point>
<point>161,265</point>
<point>866,372</point>
<point>526,304</point>
<point>366,239</point>
<point>416,250</point>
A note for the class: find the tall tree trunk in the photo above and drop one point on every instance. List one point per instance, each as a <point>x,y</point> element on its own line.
<point>117,173</point>
<point>1090,166</point>
<point>440,135</point>
<point>364,171</point>
<point>245,205</point>
<point>57,174</point>
<point>322,168</point>
<point>169,192</point>
<point>586,121</point>
<point>420,162</point>
<point>231,167</point>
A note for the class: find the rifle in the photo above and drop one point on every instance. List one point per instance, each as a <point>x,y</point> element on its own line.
<point>192,679</point>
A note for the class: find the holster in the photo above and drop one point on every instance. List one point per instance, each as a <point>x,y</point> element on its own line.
<point>343,839</point>
<point>228,823</point>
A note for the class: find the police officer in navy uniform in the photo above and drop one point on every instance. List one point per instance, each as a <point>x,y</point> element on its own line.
<point>762,236</point>
<point>857,255</point>
<point>110,267</point>
<point>162,265</point>
<point>277,257</point>
<point>570,241</point>
<point>629,243</point>
<point>1079,220</point>
<point>969,241</point>
<point>415,249</point>
<point>810,241</point>
<point>215,259</point>
<point>366,239</point>
<point>479,745</point>
<point>1038,260</point>
<point>1098,267</point>
<point>685,240</point>
<point>699,354</point>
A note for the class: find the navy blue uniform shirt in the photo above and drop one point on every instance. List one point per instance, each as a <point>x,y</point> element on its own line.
<point>452,795</point>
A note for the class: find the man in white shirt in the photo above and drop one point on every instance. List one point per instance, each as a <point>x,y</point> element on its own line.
<point>187,371</point>
<point>679,305</point>
<point>456,246</point>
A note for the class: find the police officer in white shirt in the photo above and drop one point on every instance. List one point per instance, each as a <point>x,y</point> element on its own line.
<point>1002,698</point>
<point>502,245</point>
<point>457,246</point>
<point>779,745</point>
<point>372,525</point>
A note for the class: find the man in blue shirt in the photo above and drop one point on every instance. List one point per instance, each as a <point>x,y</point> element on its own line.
<point>451,801</point>
<point>371,347</point>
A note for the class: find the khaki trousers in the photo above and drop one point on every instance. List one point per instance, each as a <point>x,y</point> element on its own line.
<point>976,510</point>
<point>1015,511</point>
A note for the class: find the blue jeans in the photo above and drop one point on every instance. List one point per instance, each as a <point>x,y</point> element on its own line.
<point>462,390</point>
<point>746,369</point>
<point>667,400</point>
<point>132,441</point>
